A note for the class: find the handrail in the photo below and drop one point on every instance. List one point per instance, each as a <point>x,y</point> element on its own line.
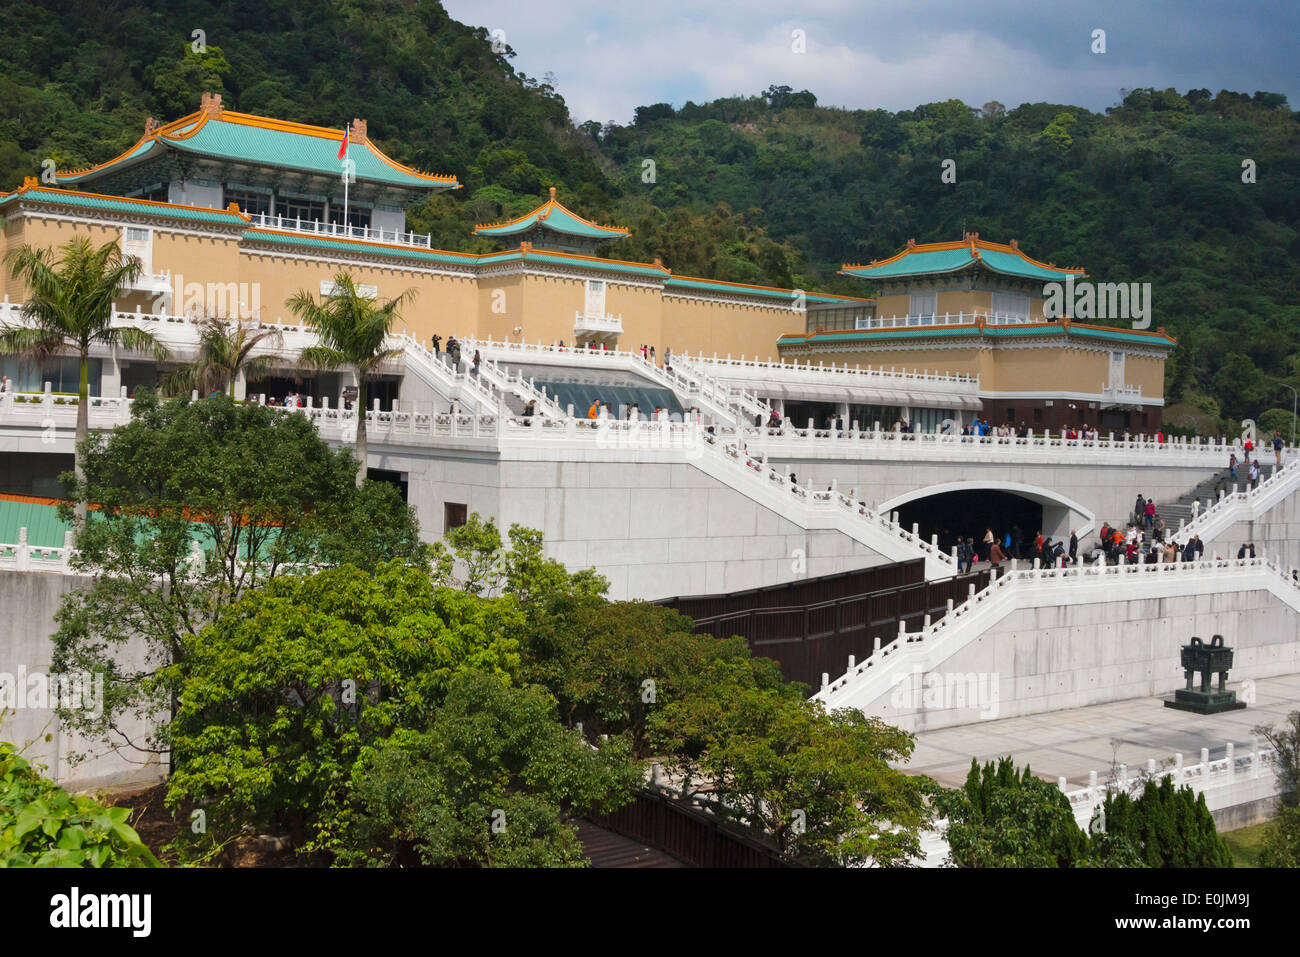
<point>867,679</point>
<point>1222,514</point>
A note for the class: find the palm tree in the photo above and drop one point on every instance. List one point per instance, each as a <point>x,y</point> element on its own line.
<point>69,308</point>
<point>353,334</point>
<point>225,350</point>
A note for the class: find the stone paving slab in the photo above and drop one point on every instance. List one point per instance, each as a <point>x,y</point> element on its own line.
<point>1074,742</point>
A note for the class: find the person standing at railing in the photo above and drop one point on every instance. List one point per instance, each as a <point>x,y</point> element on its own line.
<point>4,384</point>
<point>1254,474</point>
<point>1074,548</point>
<point>1277,447</point>
<point>1232,466</point>
<point>437,344</point>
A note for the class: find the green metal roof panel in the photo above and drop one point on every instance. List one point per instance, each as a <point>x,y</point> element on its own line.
<point>115,204</point>
<point>271,147</point>
<point>44,529</point>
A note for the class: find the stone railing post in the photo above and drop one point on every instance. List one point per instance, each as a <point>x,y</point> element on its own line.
<point>23,553</point>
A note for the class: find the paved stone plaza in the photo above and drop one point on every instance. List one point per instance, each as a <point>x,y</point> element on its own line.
<point>1074,742</point>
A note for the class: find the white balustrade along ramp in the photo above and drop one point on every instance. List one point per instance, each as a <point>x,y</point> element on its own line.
<point>841,383</point>
<point>852,444</point>
<point>716,401</point>
<point>865,683</point>
<point>472,392</point>
<point>692,444</point>
<point>1242,505</point>
<point>521,388</point>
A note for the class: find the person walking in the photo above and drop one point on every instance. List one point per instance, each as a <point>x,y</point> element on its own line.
<point>996,555</point>
<point>1074,548</point>
<point>1139,509</point>
<point>1232,467</point>
<point>1254,474</point>
<point>1149,514</point>
<point>1277,447</point>
<point>988,542</point>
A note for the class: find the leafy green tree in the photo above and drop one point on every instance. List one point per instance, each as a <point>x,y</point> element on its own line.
<point>353,333</point>
<point>490,783</point>
<point>41,825</point>
<point>1002,818</point>
<point>612,664</point>
<point>225,351</point>
<point>257,492</point>
<point>69,308</point>
<point>282,693</point>
<point>820,786</point>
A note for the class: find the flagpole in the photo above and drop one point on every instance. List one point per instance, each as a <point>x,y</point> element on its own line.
<point>347,230</point>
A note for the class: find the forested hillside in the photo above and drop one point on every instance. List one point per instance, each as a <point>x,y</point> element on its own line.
<point>766,188</point>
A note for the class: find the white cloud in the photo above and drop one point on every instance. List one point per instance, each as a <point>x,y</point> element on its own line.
<point>609,60</point>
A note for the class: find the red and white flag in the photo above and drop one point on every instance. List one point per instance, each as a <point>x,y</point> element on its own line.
<point>343,147</point>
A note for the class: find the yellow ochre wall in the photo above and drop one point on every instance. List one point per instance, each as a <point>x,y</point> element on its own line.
<point>543,306</point>
<point>978,301</point>
<point>1012,370</point>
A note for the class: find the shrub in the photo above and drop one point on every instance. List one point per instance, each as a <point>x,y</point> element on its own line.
<point>42,825</point>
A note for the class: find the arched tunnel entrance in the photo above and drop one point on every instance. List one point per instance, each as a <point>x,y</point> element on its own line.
<point>968,510</point>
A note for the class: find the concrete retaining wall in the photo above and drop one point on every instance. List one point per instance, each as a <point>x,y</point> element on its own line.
<point>1055,658</point>
<point>30,601</point>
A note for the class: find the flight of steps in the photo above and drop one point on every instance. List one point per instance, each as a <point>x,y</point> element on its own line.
<point>1206,492</point>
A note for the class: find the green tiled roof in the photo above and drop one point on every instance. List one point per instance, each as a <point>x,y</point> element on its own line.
<point>67,197</point>
<point>262,142</point>
<point>140,150</point>
<point>274,147</point>
<point>993,331</point>
<point>921,261</point>
<point>551,215</point>
<point>360,245</point>
<point>575,262</point>
<point>709,285</point>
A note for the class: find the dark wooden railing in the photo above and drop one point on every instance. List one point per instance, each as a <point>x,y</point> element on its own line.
<point>689,834</point>
<point>810,632</point>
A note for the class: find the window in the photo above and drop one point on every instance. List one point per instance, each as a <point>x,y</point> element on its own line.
<point>359,217</point>
<point>364,290</point>
<point>595,304</point>
<point>453,516</point>
<point>249,202</point>
<point>304,209</point>
<point>134,234</point>
<point>1038,416</point>
<point>1011,304</point>
<point>157,193</point>
<point>1011,413</point>
<point>923,304</point>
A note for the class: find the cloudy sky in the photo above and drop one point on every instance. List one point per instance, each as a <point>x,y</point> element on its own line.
<point>610,57</point>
